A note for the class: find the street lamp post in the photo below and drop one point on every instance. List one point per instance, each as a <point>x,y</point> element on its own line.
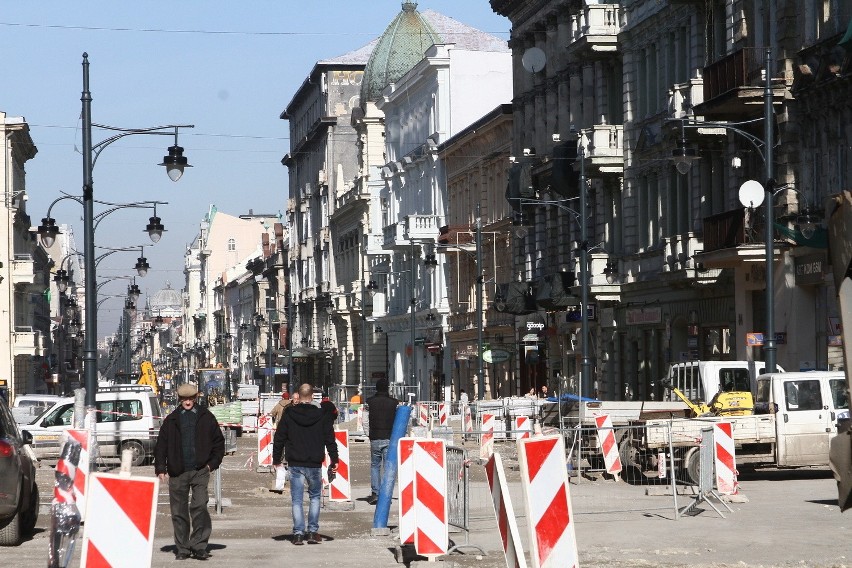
<point>480,373</point>
<point>175,163</point>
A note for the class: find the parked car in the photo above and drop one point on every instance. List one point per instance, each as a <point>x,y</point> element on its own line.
<point>28,407</point>
<point>128,417</point>
<point>18,488</point>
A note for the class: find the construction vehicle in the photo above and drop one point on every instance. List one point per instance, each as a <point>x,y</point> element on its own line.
<point>724,403</point>
<point>148,377</point>
<point>840,248</point>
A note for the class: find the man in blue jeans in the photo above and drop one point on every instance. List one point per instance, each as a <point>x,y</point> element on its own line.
<point>382,410</point>
<point>302,435</point>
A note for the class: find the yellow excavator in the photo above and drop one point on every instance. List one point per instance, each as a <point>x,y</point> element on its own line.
<point>731,403</point>
<point>148,377</point>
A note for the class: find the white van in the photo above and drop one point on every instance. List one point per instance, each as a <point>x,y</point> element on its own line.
<point>28,407</point>
<point>128,417</point>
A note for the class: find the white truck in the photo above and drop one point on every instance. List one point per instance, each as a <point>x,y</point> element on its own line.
<point>795,421</point>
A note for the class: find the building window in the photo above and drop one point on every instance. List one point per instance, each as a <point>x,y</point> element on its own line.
<point>232,244</point>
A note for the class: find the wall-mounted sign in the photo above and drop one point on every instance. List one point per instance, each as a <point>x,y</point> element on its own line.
<point>755,339</point>
<point>573,315</point>
<point>496,356</point>
<point>644,315</point>
<point>809,269</point>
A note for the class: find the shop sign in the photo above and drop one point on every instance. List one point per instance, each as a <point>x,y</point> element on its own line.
<point>809,269</point>
<point>496,356</point>
<point>637,316</point>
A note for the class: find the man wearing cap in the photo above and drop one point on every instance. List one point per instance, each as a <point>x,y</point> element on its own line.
<point>189,447</point>
<point>382,411</point>
<point>302,435</point>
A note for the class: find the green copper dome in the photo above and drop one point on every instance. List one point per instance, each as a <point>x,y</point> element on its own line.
<point>400,48</point>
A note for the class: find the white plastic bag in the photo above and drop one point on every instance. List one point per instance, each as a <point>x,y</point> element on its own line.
<point>280,478</point>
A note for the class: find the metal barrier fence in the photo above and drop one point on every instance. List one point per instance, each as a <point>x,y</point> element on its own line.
<point>458,500</point>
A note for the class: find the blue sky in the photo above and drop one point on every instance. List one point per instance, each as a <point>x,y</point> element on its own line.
<point>229,68</point>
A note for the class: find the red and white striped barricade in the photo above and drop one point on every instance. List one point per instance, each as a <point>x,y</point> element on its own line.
<point>423,414</point>
<point>432,535</point>
<point>544,478</point>
<point>265,432</point>
<point>609,447</point>
<point>341,487</point>
<point>506,520</point>
<point>324,468</point>
<point>119,529</point>
<point>444,414</point>
<point>486,438</point>
<point>81,477</point>
<point>523,427</point>
<point>725,458</point>
<point>468,419</point>
<point>405,471</point>
<point>359,420</point>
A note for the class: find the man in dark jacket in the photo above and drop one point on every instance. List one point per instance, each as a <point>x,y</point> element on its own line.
<point>189,447</point>
<point>303,433</point>
<point>382,410</point>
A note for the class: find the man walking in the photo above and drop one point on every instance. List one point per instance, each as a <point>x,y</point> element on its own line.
<point>382,409</point>
<point>189,447</point>
<point>282,405</point>
<point>301,435</point>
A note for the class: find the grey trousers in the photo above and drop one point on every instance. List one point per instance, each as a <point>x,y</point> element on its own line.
<point>188,500</point>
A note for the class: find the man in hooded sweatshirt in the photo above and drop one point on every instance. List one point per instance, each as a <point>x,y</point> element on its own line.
<point>303,434</point>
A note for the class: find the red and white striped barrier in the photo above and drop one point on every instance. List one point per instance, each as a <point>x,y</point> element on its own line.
<point>609,447</point>
<point>444,414</point>
<point>119,529</point>
<point>423,410</point>
<point>265,432</point>
<point>468,419</point>
<point>431,538</point>
<point>359,420</point>
<point>724,454</point>
<point>405,470</point>
<point>506,520</point>
<point>523,427</point>
<point>486,439</point>
<point>544,478</point>
<point>81,479</point>
<point>341,488</point>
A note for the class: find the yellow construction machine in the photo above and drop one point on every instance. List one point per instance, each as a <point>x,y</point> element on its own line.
<point>731,403</point>
<point>147,376</point>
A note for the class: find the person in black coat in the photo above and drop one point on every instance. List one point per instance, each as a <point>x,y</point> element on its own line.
<point>189,447</point>
<point>303,435</point>
<point>382,411</point>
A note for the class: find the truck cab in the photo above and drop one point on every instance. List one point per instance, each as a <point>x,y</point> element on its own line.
<point>807,406</point>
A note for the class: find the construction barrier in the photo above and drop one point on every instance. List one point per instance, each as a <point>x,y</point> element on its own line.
<point>486,439</point>
<point>608,445</point>
<point>405,469</point>
<point>265,433</point>
<point>724,456</point>
<point>507,523</point>
<point>431,537</point>
<point>444,414</point>
<point>119,529</point>
<point>523,427</point>
<point>550,519</point>
<point>340,487</point>
<point>468,420</point>
<point>81,477</point>
<point>423,414</point>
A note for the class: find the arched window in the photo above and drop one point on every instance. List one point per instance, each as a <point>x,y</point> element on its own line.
<point>232,244</point>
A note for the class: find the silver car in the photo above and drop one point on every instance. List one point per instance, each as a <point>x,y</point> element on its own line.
<point>18,489</point>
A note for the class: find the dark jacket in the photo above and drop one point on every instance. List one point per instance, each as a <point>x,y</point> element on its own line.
<point>382,409</point>
<point>301,434</point>
<point>209,443</point>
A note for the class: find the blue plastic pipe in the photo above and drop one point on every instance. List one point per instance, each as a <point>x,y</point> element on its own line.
<point>400,427</point>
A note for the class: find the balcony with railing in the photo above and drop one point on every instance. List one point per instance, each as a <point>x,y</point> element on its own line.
<point>422,227</point>
<point>604,145</point>
<point>23,269</point>
<point>684,96</point>
<point>594,31</point>
<point>734,85</point>
<point>27,341</point>
<point>394,236</point>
